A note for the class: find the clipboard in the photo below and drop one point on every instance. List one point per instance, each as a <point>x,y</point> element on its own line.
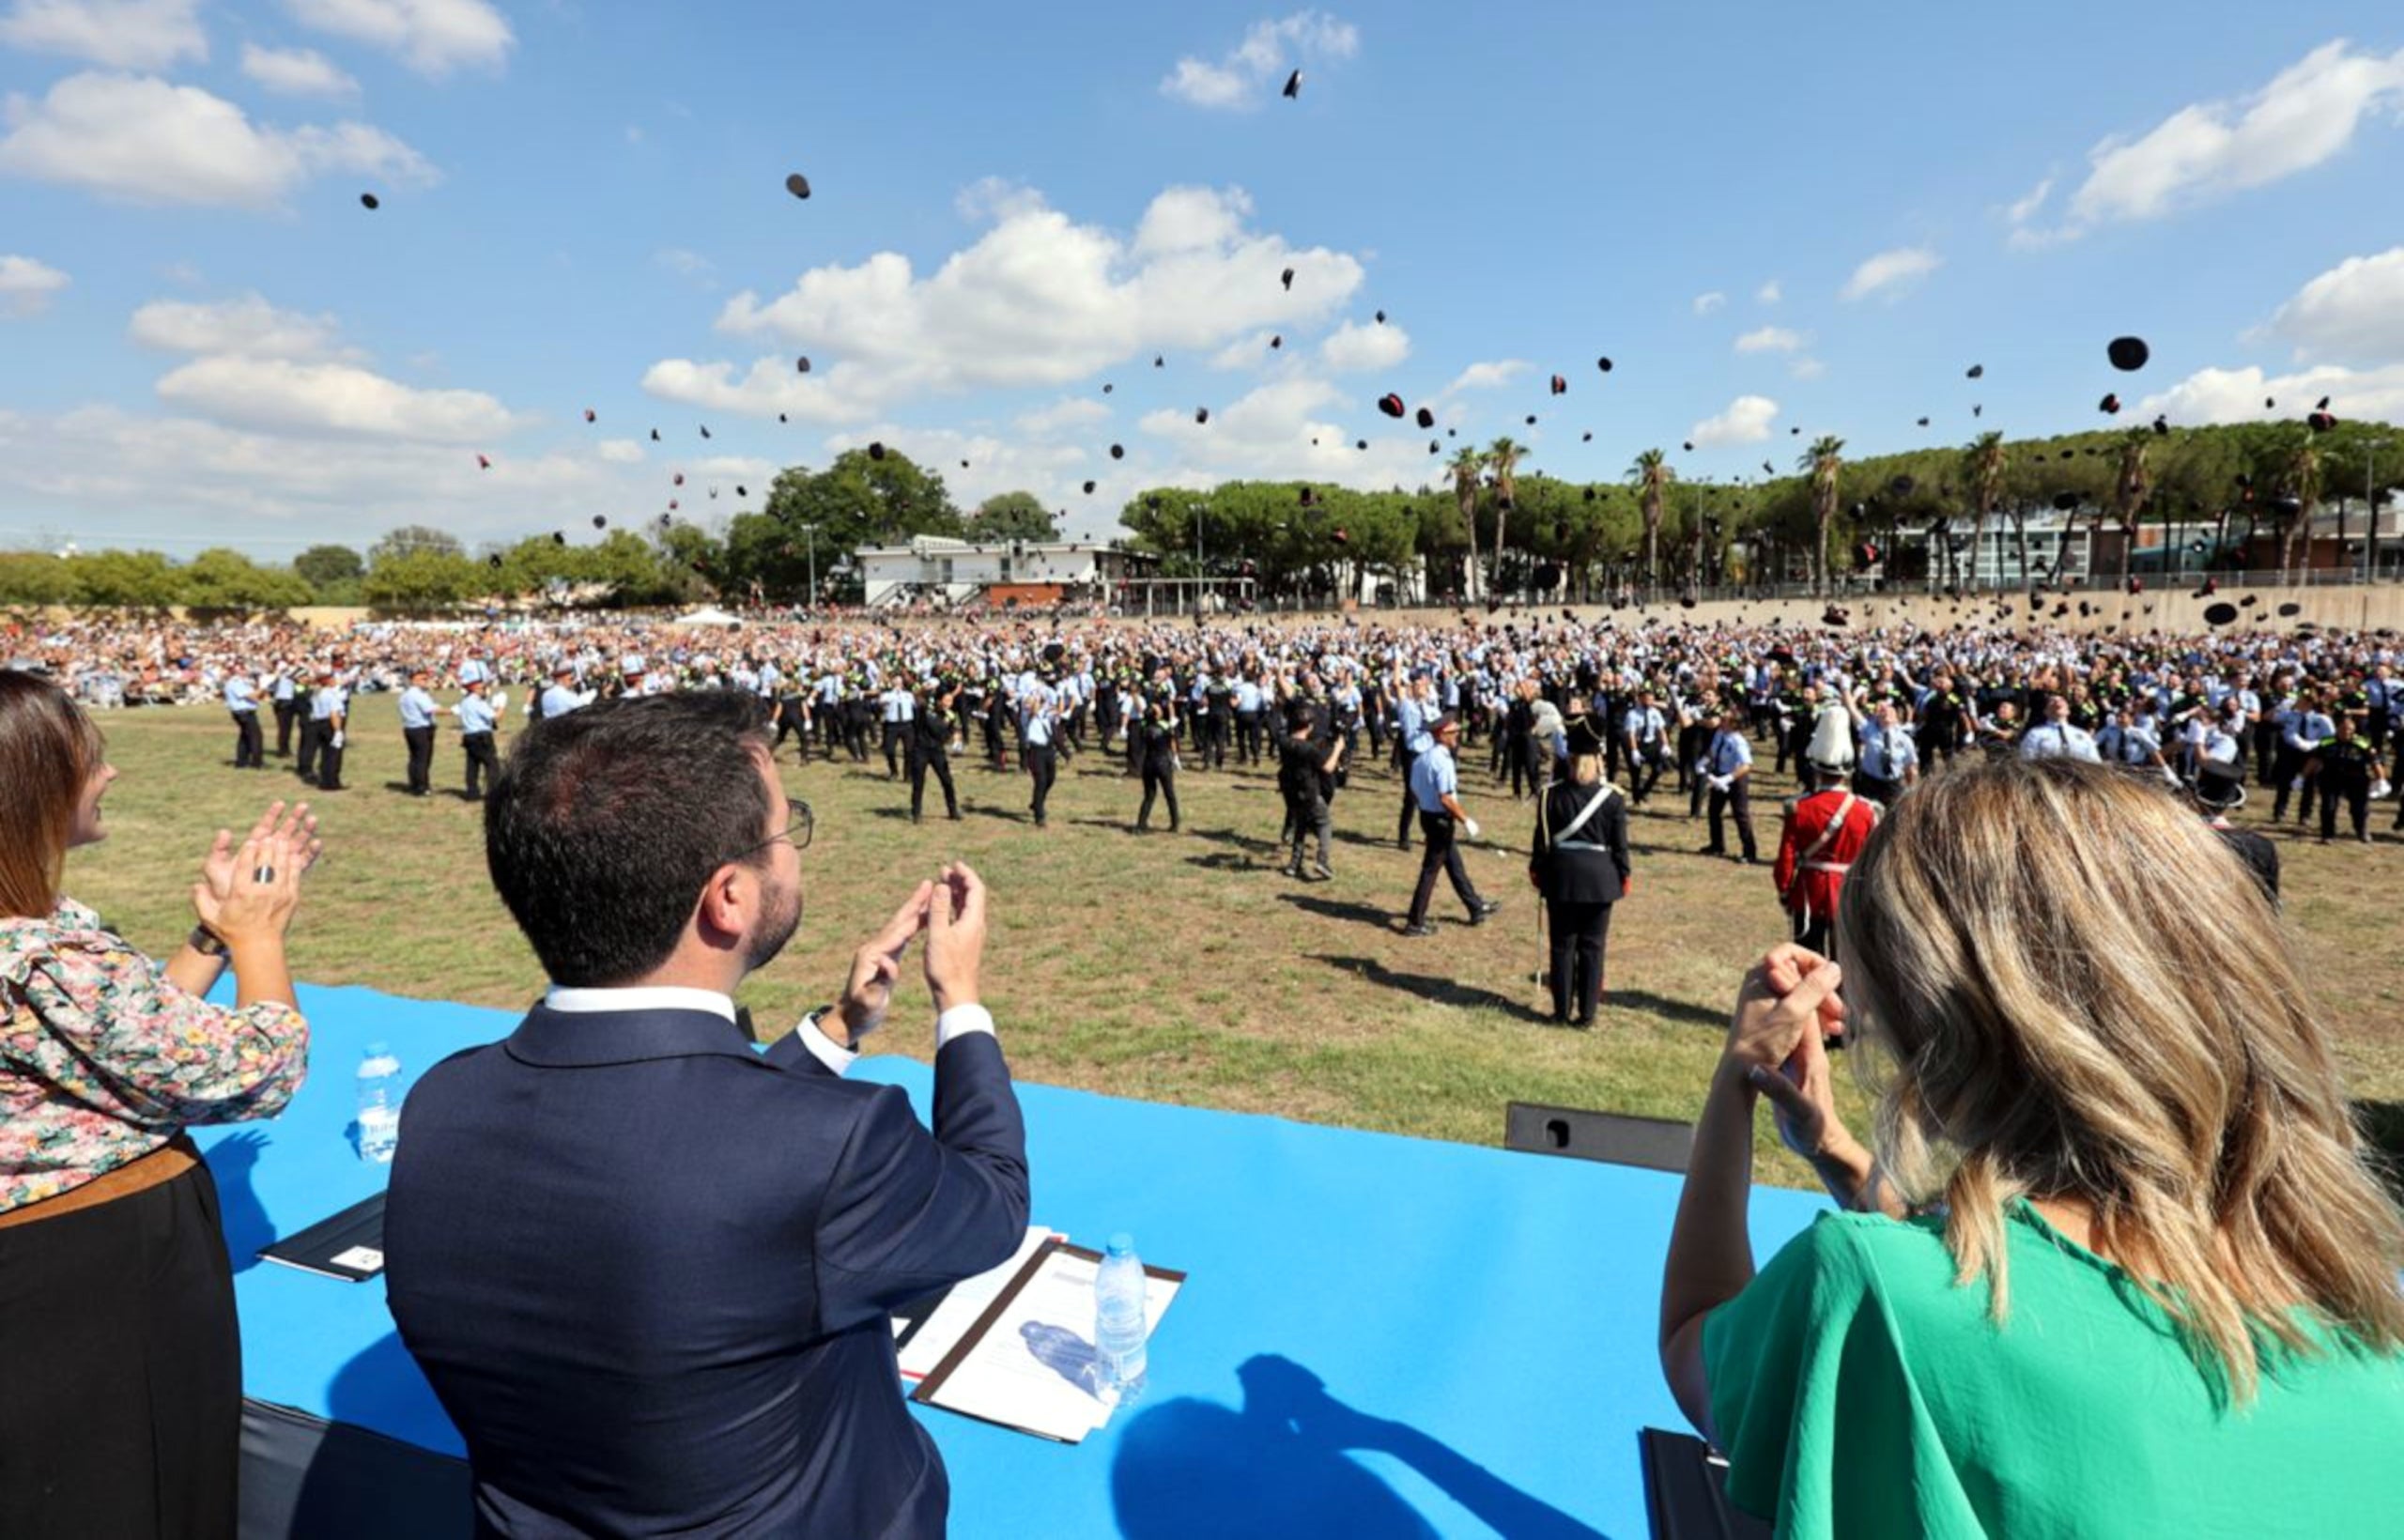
<point>1051,1365</point>
<point>348,1245</point>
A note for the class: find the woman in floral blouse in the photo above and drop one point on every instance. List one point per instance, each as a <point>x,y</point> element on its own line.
<point>120,1364</point>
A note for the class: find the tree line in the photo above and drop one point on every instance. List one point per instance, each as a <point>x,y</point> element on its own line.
<point>1490,525</point>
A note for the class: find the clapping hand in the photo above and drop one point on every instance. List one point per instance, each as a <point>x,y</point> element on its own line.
<point>868,992</point>
<point>220,865</point>
<point>1788,1007</point>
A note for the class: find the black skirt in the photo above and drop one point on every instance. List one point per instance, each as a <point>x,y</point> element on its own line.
<point>120,1370</point>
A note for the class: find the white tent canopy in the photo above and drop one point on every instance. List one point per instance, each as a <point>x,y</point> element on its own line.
<point>707,616</point>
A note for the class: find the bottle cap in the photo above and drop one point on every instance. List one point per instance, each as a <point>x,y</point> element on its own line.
<point>1122,1244</point>
<point>379,1050</point>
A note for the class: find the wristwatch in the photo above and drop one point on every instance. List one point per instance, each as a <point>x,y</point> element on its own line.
<point>206,942</point>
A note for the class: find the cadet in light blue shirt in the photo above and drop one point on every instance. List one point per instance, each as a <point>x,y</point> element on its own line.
<point>477,718</point>
<point>417,730</point>
<point>242,703</point>
<point>564,697</point>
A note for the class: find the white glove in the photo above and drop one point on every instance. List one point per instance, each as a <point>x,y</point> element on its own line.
<point>337,740</point>
<point>1472,825</point>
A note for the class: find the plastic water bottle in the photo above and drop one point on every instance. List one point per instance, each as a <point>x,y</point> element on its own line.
<point>1119,1320</point>
<point>379,1103</point>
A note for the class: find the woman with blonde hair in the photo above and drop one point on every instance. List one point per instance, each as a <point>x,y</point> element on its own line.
<point>120,1361</point>
<point>2118,1264</point>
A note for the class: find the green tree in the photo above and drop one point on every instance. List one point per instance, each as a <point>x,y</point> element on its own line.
<point>1502,455</point>
<point>35,579</point>
<point>1652,474</point>
<point>2300,487</point>
<point>223,579</point>
<point>1984,465</point>
<point>1012,515</point>
<point>328,567</point>
<point>424,581</point>
<point>1824,463</point>
<point>1467,467</point>
<point>413,537</point>
<point>120,580</point>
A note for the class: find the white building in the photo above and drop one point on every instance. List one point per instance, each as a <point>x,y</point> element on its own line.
<point>950,574</point>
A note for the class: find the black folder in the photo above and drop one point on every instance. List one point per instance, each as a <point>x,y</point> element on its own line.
<point>349,1245</point>
<point>1686,1491</point>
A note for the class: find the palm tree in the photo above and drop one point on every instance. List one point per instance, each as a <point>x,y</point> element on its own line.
<point>1986,462</point>
<point>1824,461</point>
<point>2301,477</point>
<point>1467,466</point>
<point>1652,474</point>
<point>1502,455</point>
<point>2130,489</point>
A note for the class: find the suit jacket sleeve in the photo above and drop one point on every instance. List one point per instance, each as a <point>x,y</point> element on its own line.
<point>907,1211</point>
<point>1615,816</point>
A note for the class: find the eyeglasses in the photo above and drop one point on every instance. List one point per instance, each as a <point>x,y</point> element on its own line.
<point>799,826</point>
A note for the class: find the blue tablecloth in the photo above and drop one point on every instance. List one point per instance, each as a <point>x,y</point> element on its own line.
<point>1481,1322</point>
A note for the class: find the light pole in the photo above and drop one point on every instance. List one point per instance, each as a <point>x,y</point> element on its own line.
<point>810,532</point>
<point>2370,495</point>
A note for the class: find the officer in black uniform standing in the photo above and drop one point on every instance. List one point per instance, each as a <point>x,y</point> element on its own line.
<point>928,748</point>
<point>1155,732</point>
<point>1579,861</point>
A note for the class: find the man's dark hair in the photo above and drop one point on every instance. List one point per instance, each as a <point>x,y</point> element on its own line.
<point>606,822</point>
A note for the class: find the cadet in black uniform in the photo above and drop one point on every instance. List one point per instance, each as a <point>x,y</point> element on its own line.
<point>1305,767</point>
<point>1156,732</point>
<point>1579,861</point>
<point>2348,763</point>
<point>929,729</point>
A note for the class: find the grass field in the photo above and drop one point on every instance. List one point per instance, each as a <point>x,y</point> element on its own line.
<point>1177,968</point>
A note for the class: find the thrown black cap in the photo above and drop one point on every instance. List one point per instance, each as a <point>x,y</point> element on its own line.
<point>1560,386</point>
<point>1604,364</point>
<point>1978,371</point>
<point>2109,405</point>
<point>1427,418</point>
<point>799,185</point>
<point>2223,613</point>
<point>600,522</point>
<point>1382,318</point>
<point>802,364</point>
<point>1202,414</point>
<point>2289,610</point>
<point>1119,451</point>
<point>2128,353</point>
<point>1293,85</point>
<point>876,449</point>
<point>369,202</point>
<point>1391,405</point>
<point>1287,278</point>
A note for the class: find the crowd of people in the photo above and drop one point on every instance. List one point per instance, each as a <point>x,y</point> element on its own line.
<point>2109,1117</point>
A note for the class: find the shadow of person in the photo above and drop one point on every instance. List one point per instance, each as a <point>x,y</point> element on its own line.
<point>1279,1469</point>
<point>303,1477</point>
<point>245,1219</point>
<point>1435,989</point>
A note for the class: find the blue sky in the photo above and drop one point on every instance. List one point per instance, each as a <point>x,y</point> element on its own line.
<point>1767,220</point>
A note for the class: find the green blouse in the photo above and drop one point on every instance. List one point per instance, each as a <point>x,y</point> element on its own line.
<point>1859,1393</point>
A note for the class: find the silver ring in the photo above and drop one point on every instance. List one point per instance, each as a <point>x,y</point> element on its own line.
<point>263,874</point>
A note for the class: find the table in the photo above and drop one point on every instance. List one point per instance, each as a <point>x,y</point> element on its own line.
<point>1381,1336</point>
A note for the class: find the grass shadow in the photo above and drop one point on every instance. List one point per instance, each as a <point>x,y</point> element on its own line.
<point>1357,914</point>
<point>1681,1011</point>
<point>1433,988</point>
<point>1225,860</point>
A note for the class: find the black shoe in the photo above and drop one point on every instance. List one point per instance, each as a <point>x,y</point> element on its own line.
<point>1403,845</point>
<point>1753,860</point>
<point>1422,929</point>
<point>1482,910</point>
<point>1713,850</point>
<point>1583,1024</point>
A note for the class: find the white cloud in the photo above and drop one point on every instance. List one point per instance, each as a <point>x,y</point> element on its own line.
<point>1489,376</point>
<point>620,451</point>
<point>249,325</point>
<point>1071,412</point>
<point>139,139</point>
<point>2025,208</point>
<point>1705,303</point>
<point>1012,463</point>
<point>1891,272</point>
<point>1258,66</point>
<point>1769,293</point>
<point>1807,368</point>
<point>28,287</point>
<point>2305,116</point>
<point>431,37</point>
<point>1747,421</point>
<point>1771,339</point>
<point>1247,352</point>
<point>284,395</point>
<point>297,71</point>
<point>1268,434</point>
<point>688,265</point>
<point>2354,310</point>
<point>1352,347</point>
<point>121,34</point>
<point>2214,397</point>
<point>1035,300</point>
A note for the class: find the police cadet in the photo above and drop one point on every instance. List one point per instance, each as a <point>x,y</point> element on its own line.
<point>1155,735</point>
<point>1435,786</point>
<point>1415,711</point>
<point>927,747</point>
<point>417,730</point>
<point>286,699</point>
<point>1579,862</point>
<point>1645,731</point>
<point>1039,713</point>
<point>899,709</point>
<point>792,712</point>
<point>2348,763</point>
<point>1889,759</point>
<point>478,716</point>
<point>329,713</point>
<point>2305,728</point>
<point>563,697</point>
<point>1249,700</point>
<point>243,705</point>
<point>1728,767</point>
<point>1305,768</point>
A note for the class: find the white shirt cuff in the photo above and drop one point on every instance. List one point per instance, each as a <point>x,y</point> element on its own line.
<point>960,1021</point>
<point>824,1049</point>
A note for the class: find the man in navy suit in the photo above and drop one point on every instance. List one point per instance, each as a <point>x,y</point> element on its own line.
<point>646,1268</point>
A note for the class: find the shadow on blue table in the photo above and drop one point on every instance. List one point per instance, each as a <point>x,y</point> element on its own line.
<point>1279,1467</point>
<point>247,1226</point>
<point>302,1477</point>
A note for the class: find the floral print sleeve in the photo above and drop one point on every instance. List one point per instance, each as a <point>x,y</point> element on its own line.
<point>102,1058</point>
